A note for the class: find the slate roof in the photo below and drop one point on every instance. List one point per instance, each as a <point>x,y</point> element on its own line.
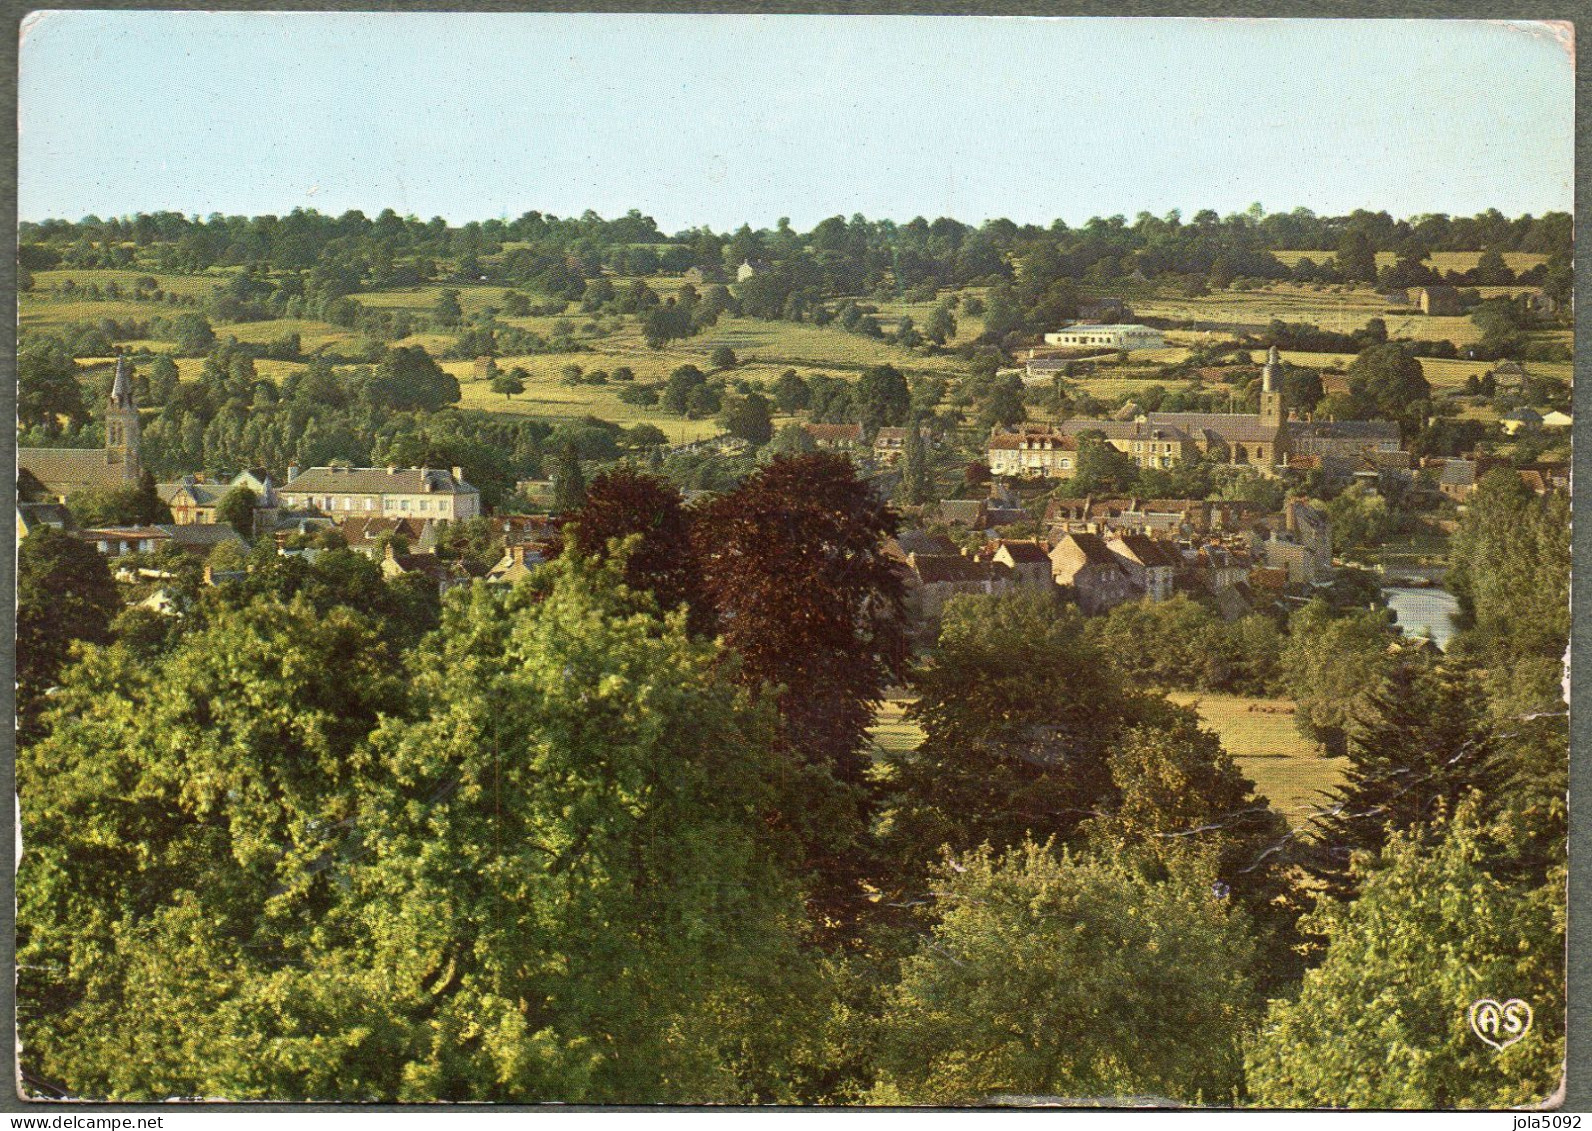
<point>940,569</point>
<point>200,535</point>
<point>204,494</point>
<point>377,481</point>
<point>1239,427</point>
<point>1024,551</point>
<point>1457,473</point>
<point>1149,552</point>
<point>965,512</point>
<point>1347,429</point>
<point>71,467</point>
<point>362,531</point>
<point>1094,548</point>
<point>921,542</point>
<point>33,515</point>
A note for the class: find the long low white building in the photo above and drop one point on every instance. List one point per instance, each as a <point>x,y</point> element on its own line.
<point>1117,336</point>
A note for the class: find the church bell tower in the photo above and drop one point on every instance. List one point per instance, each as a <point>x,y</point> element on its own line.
<point>121,425</point>
<point>1271,407</point>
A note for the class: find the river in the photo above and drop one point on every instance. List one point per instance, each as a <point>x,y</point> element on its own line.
<point>1424,612</point>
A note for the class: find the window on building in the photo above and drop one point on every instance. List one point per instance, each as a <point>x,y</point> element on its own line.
<point>403,504</point>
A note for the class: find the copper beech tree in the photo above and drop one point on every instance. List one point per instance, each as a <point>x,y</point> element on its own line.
<point>792,562</point>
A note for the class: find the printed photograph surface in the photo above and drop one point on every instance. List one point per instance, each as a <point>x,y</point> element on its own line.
<point>792,560</point>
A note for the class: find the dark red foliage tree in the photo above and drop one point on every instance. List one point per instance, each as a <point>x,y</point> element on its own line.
<point>793,562</point>
<point>623,502</point>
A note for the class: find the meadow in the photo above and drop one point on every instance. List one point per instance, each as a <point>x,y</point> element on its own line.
<point>764,349</point>
<point>1287,768</point>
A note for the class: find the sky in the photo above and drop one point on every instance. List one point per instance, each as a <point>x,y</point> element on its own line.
<point>725,119</point>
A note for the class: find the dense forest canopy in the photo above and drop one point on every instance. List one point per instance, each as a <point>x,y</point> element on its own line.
<point>840,254</point>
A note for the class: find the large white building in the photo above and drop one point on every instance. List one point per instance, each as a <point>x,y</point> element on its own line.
<point>1116,336</point>
<point>392,492</point>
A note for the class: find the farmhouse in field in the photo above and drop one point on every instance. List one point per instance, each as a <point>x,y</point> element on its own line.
<point>1114,335</point>
<point>64,472</point>
<point>392,492</point>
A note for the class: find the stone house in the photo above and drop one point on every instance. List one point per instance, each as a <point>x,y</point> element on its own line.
<point>1091,574</point>
<point>1151,565</point>
<point>1029,563</point>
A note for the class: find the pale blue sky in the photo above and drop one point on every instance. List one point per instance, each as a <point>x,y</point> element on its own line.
<point>719,119</point>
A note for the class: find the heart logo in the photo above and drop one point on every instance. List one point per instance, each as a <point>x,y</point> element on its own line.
<point>1500,1024</point>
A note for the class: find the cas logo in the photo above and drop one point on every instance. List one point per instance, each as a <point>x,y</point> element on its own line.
<point>1500,1024</point>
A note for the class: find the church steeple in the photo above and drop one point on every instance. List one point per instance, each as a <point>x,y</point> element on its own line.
<point>122,430</point>
<point>1271,406</point>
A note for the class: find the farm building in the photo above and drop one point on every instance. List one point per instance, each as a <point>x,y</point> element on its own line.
<point>1117,336</point>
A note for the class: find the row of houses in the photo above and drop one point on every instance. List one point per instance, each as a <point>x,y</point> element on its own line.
<point>887,447</point>
<point>1100,556</point>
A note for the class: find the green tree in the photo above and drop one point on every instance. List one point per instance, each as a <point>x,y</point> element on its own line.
<point>569,484</point>
<point>723,357</point>
<point>163,380</point>
<point>182,849</point>
<point>1331,663</point>
<point>192,334</point>
<point>681,383</point>
<point>48,389</point>
<point>508,384</point>
<point>570,857</point>
<point>236,509</point>
<point>409,378</point>
<point>1511,570</point>
<point>1383,1022</point>
<point>64,594</point>
<point>882,397</point>
<point>1004,406</point>
<point>663,324</point>
<point>917,484</point>
<point>941,325</point>
<point>793,440</point>
<point>1392,383</point>
<point>1417,745</point>
<point>790,392</point>
<point>447,310</point>
<point>748,417</point>
<point>1005,995</point>
<point>1019,713</point>
<point>1356,257</point>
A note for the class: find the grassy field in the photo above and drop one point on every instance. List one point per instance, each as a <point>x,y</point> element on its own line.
<point>891,734</point>
<point>765,349</point>
<point>1517,261</point>
<point>1287,769</point>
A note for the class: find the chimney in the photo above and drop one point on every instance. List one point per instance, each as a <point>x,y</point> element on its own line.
<point>519,554</point>
<point>292,472</point>
<point>458,474</point>
<point>392,469</point>
<point>210,578</point>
